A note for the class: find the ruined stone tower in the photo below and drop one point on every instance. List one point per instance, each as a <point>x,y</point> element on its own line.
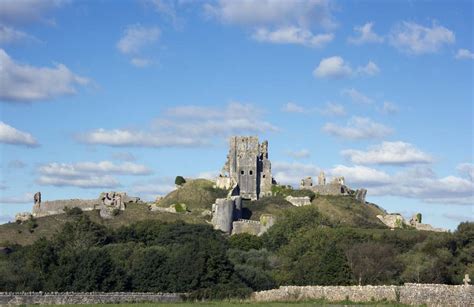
<point>247,169</point>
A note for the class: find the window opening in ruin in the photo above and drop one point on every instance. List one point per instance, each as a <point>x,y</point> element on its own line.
<point>250,172</point>
<point>263,175</point>
<point>242,172</point>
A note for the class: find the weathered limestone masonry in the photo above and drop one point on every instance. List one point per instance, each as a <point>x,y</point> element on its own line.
<point>57,298</point>
<point>106,202</point>
<point>256,228</point>
<point>411,294</point>
<point>299,201</point>
<point>225,211</point>
<point>396,220</point>
<point>335,187</point>
<point>247,169</point>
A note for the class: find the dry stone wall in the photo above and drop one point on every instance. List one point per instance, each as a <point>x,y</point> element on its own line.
<point>57,206</point>
<point>85,298</point>
<point>411,294</point>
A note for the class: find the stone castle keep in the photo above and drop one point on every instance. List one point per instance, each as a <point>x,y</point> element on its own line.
<point>247,169</point>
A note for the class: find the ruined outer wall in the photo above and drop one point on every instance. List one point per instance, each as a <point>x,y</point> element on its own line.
<point>57,206</point>
<point>85,298</point>
<point>328,189</point>
<point>411,294</point>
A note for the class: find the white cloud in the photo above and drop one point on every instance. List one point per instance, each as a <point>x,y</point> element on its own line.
<point>413,38</point>
<point>273,12</point>
<point>292,107</point>
<point>358,128</point>
<point>23,199</point>
<point>370,69</point>
<point>394,153</point>
<point>136,37</point>
<point>186,126</point>
<point>26,11</point>
<point>389,108</point>
<point>360,175</point>
<point>357,96</point>
<point>365,35</point>
<point>276,21</point>
<point>459,217</point>
<point>210,175</point>
<point>299,154</point>
<point>24,83</point>
<point>88,174</point>
<point>9,35</point>
<point>141,62</point>
<point>464,54</point>
<point>422,183</point>
<point>10,135</point>
<point>333,109</point>
<point>81,169</point>
<point>292,35</point>
<point>466,169</point>
<point>292,173</point>
<point>333,68</point>
<point>90,182</point>
<point>336,68</point>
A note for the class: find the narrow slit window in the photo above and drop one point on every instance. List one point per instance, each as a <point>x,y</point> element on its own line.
<point>242,172</point>
<point>251,173</point>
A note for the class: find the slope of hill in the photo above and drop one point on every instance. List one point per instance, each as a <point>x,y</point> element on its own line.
<point>198,196</point>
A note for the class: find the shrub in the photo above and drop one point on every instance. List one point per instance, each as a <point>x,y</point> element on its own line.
<point>245,241</point>
<point>179,180</point>
<point>73,211</point>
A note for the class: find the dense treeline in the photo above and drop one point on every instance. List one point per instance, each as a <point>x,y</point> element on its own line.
<point>301,249</point>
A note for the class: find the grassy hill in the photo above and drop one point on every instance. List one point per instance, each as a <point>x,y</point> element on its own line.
<point>199,195</point>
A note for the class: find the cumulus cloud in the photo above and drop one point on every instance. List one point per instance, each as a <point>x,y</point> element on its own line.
<point>370,69</point>
<point>272,12</point>
<point>292,107</point>
<point>186,126</point>
<point>360,175</point>
<point>464,54</point>
<point>135,39</point>
<point>357,96</point>
<point>392,153</point>
<point>299,154</point>
<point>10,135</point>
<point>88,174</point>
<point>26,11</point>
<point>336,67</point>
<point>365,34</point>
<point>124,156</point>
<point>280,22</point>
<point>423,184</point>
<point>333,68</point>
<point>358,128</point>
<point>388,108</point>
<point>412,38</point>
<point>466,169</point>
<point>10,35</point>
<point>292,173</point>
<point>292,35</point>
<point>90,182</point>
<point>25,83</point>
<point>333,109</point>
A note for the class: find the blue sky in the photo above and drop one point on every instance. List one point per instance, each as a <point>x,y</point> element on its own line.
<point>125,95</point>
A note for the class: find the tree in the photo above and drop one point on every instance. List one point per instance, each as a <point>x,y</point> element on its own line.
<point>179,180</point>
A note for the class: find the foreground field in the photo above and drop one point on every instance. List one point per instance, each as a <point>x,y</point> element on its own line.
<point>250,304</point>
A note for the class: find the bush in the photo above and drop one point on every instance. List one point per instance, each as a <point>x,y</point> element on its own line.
<point>179,180</point>
<point>73,211</point>
<point>245,241</point>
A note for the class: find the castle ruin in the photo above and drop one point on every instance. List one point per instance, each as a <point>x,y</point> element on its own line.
<point>247,169</point>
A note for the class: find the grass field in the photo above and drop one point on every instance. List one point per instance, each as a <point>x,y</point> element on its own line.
<point>251,304</point>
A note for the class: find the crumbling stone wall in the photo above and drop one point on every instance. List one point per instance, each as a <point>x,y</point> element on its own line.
<point>62,298</point>
<point>410,294</point>
<point>299,201</point>
<point>256,228</point>
<point>57,206</point>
